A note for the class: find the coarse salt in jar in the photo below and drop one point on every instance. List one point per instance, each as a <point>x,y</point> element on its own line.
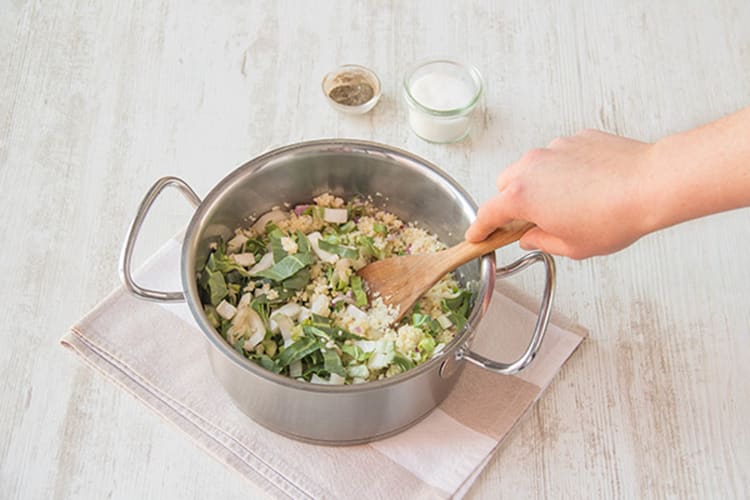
<point>442,96</point>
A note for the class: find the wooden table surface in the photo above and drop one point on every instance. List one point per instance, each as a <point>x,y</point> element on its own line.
<point>97,100</point>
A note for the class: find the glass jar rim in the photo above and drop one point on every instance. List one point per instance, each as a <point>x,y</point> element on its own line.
<point>470,70</point>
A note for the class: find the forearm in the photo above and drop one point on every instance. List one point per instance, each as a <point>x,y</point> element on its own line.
<point>698,172</point>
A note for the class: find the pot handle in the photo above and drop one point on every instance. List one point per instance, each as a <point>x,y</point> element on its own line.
<point>541,322</point>
<point>127,249</point>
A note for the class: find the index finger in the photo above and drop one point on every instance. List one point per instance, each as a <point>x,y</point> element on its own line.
<point>492,214</point>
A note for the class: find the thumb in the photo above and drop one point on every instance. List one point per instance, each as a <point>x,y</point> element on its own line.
<point>536,238</point>
<point>492,214</point>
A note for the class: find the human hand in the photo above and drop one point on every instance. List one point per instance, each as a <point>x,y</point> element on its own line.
<point>583,193</point>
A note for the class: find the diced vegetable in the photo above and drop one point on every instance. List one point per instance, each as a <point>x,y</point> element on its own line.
<point>286,267</point>
<point>359,371</point>
<point>259,226</point>
<point>265,263</point>
<point>335,215</point>
<point>314,239</point>
<point>341,250</point>
<point>236,243</point>
<point>285,326</point>
<point>382,356</point>
<point>244,259</point>
<point>355,312</point>
<point>226,310</point>
<point>295,369</point>
<point>444,321</point>
<point>332,363</point>
<point>360,296</point>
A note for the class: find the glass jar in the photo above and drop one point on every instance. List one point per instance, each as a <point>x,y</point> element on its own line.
<point>442,96</point>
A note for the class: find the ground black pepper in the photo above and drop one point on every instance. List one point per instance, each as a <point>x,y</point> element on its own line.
<point>351,89</point>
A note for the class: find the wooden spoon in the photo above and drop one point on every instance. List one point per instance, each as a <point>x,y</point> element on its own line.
<point>402,280</point>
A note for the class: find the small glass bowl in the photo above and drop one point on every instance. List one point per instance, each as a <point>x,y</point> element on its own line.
<point>352,74</point>
<point>448,124</point>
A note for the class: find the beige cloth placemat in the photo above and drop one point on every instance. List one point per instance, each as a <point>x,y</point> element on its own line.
<point>156,353</point>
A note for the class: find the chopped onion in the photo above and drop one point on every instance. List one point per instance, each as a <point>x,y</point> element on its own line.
<point>366,345</point>
<point>245,322</point>
<point>285,325</point>
<point>259,226</point>
<point>438,349</point>
<point>265,262</point>
<point>318,380</point>
<point>321,305</point>
<point>299,209</point>
<point>236,243</point>
<point>245,300</point>
<point>226,310</point>
<point>290,310</point>
<point>314,237</point>
<point>335,215</point>
<point>444,321</point>
<point>355,312</point>
<point>336,379</point>
<point>295,369</point>
<point>304,313</point>
<point>342,298</point>
<point>244,259</point>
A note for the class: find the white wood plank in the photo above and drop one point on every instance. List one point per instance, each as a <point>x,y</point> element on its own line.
<point>98,101</point>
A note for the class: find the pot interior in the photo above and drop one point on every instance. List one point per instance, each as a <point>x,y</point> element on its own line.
<point>404,184</point>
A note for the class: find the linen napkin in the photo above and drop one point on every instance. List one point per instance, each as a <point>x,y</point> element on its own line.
<point>126,339</point>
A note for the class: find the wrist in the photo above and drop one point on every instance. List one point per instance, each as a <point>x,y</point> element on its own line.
<point>647,190</point>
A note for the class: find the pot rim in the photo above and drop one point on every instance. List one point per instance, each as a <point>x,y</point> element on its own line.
<point>189,248</point>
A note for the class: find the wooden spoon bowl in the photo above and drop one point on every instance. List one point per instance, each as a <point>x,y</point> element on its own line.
<point>402,280</point>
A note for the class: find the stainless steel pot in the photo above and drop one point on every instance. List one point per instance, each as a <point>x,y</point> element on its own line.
<point>413,189</point>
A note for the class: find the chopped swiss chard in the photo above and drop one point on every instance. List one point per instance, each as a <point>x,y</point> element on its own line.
<point>340,250</point>
<point>332,363</point>
<point>360,296</point>
<point>286,267</point>
<point>296,351</point>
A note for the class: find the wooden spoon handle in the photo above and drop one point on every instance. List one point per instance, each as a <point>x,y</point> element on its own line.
<point>465,251</point>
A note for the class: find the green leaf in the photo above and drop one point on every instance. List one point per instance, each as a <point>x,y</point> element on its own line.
<point>303,244</point>
<point>332,363</point>
<point>219,261</point>
<point>348,227</point>
<point>277,248</point>
<point>213,282</point>
<point>262,307</point>
<point>323,332</point>
<point>458,305</point>
<point>255,246</point>
<point>296,351</point>
<point>330,332</point>
<point>360,296</point>
<point>316,368</point>
<point>266,362</point>
<point>298,281</point>
<point>458,320</point>
<point>354,351</point>
<point>403,362</point>
<point>341,250</point>
<point>369,249</point>
<point>238,346</point>
<point>286,267</point>
<point>426,346</point>
<point>380,228</point>
<point>318,320</point>
<point>420,319</point>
